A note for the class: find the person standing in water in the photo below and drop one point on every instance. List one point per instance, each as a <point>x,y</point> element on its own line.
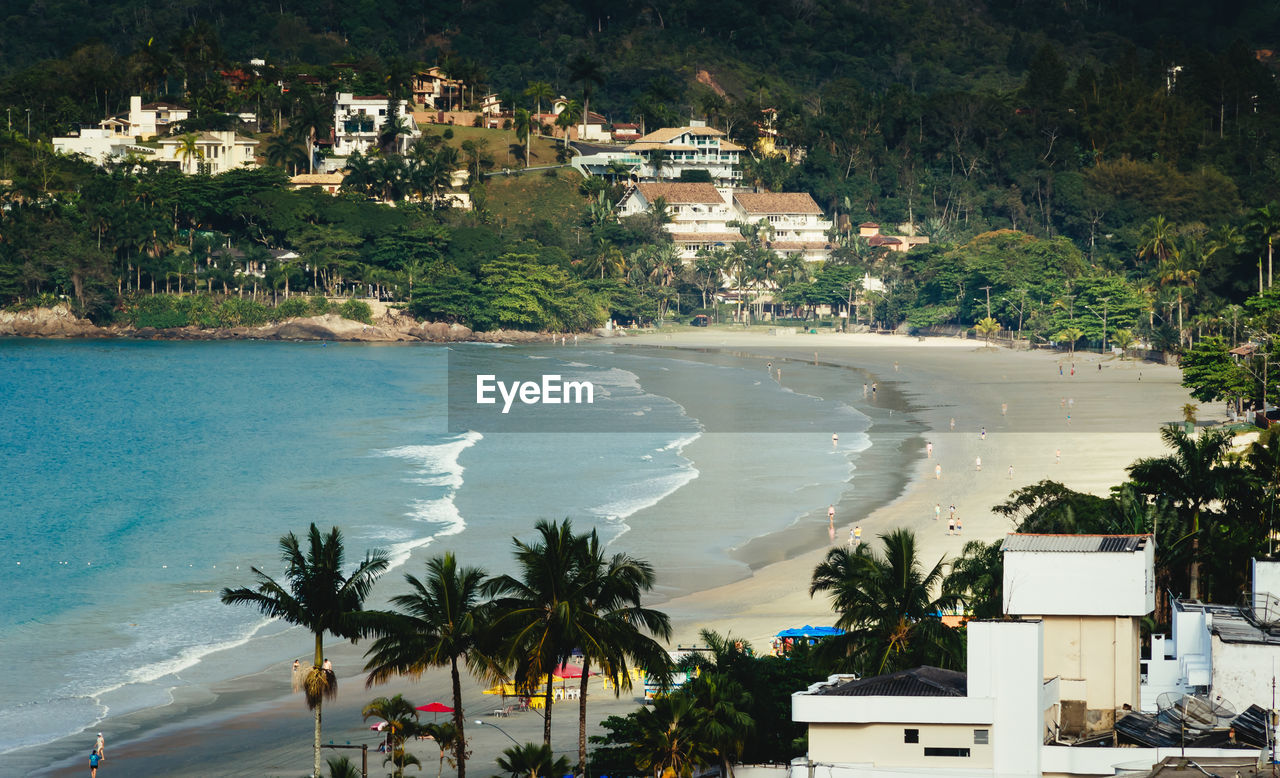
<point>835,439</point>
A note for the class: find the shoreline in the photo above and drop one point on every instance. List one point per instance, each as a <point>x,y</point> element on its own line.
<point>254,717</point>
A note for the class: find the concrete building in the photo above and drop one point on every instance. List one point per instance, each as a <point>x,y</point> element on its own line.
<point>696,147</point>
<point>435,91</point>
<point>100,145</point>
<point>1091,592</point>
<point>796,223</point>
<point>215,152</point>
<point>989,721</point>
<point>149,120</point>
<point>870,231</point>
<point>1226,653</point>
<point>357,122</point>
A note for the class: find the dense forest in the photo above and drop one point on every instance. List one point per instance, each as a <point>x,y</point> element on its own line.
<point>1101,171</point>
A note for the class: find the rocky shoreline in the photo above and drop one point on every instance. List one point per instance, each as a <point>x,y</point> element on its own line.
<point>394,327</point>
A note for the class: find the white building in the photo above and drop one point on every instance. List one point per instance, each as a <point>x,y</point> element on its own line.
<point>147,121</point>
<point>696,147</point>
<point>796,223</point>
<point>1005,717</point>
<point>1225,653</point>
<point>100,145</point>
<point>700,216</point>
<point>357,122</point>
<point>215,152</point>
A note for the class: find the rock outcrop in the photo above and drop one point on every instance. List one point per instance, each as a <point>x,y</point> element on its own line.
<point>56,322</point>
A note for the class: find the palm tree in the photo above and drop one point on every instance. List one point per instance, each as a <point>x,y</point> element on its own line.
<point>312,116</point>
<point>1124,339</point>
<point>440,623</point>
<point>588,72</point>
<point>978,576</point>
<point>1156,239</point>
<point>1179,271</point>
<point>539,611</point>
<point>402,722</point>
<point>669,737</point>
<point>446,736</point>
<point>189,149</point>
<point>522,122</point>
<point>317,595</point>
<point>532,761</point>
<point>659,158</point>
<point>611,632</point>
<point>1266,225</point>
<point>725,724</point>
<point>1070,335</point>
<point>987,328</point>
<point>1193,477</point>
<point>569,115</point>
<point>886,607</point>
<point>342,767</point>
<point>539,91</point>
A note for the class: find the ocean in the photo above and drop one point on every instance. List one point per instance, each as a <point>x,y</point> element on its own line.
<point>138,479</point>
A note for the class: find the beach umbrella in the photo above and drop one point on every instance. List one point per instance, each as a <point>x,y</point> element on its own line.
<point>381,725</point>
<point>434,708</point>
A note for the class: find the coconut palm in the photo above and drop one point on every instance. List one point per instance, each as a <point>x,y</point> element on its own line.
<point>402,722</point>
<point>612,631</point>
<point>311,117</point>
<point>189,149</point>
<point>522,122</point>
<point>587,71</point>
<point>1194,477</point>
<point>670,737</point>
<point>342,767</point>
<point>1179,271</point>
<point>532,761</point>
<point>1156,240</point>
<point>539,91</point>
<point>987,328</point>
<point>439,623</point>
<point>1124,339</point>
<point>886,606</point>
<point>539,612</point>
<point>1070,335</point>
<point>445,734</point>
<point>1265,224</point>
<point>568,116</point>
<point>725,724</point>
<point>318,595</point>
<point>978,576</point>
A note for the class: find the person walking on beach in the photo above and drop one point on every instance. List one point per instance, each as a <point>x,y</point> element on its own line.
<point>937,511</point>
<point>959,526</point>
<point>983,433</point>
<point>1057,456</point>
<point>93,764</point>
<point>831,514</point>
<point>864,389</point>
<point>1010,472</point>
<point>953,423</point>
<point>928,448</point>
<point>1059,369</point>
<point>857,535</point>
<point>951,525</point>
<point>978,462</point>
<point>937,472</point>
<point>1004,409</point>
<point>100,747</point>
<point>952,511</point>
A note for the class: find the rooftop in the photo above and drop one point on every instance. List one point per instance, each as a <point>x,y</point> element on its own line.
<point>675,193</point>
<point>777,202</point>
<point>671,133</point>
<point>917,682</point>
<point>1074,543</point>
<point>1230,624</point>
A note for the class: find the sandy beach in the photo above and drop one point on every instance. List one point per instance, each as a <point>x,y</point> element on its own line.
<point>250,726</point>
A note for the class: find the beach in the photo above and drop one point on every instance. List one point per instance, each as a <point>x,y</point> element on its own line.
<point>251,726</point>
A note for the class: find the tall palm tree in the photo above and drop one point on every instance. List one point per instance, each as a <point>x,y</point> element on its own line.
<point>669,737</point>
<point>1265,223</point>
<point>311,117</point>
<point>612,631</point>
<point>569,116</point>
<point>1156,239</point>
<point>1178,270</point>
<point>539,91</point>
<point>589,72</point>
<point>441,622</point>
<point>978,576</point>
<point>189,149</point>
<point>886,607</point>
<point>445,734</point>
<point>1193,477</point>
<point>539,612</point>
<point>522,122</point>
<point>318,595</point>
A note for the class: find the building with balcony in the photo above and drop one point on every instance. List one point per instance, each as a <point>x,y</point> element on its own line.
<point>358,121</point>
<point>670,151</point>
<point>214,152</point>
<point>796,223</point>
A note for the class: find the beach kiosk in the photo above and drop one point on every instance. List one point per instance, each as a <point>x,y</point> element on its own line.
<point>788,639</point>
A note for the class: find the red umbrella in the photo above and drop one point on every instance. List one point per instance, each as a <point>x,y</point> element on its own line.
<point>568,671</point>
<point>435,707</point>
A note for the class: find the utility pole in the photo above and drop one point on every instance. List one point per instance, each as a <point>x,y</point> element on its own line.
<point>988,290</point>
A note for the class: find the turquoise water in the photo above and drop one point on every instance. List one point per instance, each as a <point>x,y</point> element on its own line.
<point>138,479</point>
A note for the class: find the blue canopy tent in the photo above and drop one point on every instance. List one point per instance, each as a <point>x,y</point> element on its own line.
<point>784,640</point>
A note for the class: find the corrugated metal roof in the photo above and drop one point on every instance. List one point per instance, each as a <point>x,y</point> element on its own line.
<point>1074,543</point>
<point>917,682</point>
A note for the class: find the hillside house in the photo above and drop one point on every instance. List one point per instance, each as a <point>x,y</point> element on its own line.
<point>358,120</point>
<point>699,214</point>
<point>100,145</point>
<point>796,223</point>
<point>695,147</point>
<point>216,152</point>
<point>435,91</point>
<point>870,231</point>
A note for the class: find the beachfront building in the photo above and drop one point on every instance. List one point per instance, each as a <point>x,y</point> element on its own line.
<point>796,223</point>
<point>1037,691</point>
<point>699,214</point>
<point>358,120</point>
<point>213,152</point>
<point>1226,653</point>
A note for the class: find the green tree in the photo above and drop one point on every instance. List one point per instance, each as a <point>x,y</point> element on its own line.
<point>1156,241</point>
<point>523,123</point>
<point>670,737</point>
<point>539,91</point>
<point>402,722</point>
<point>441,622</point>
<point>886,606</point>
<point>589,73</point>
<point>532,761</point>
<point>317,595</point>
<point>988,328</point>
<point>977,575</point>
<point>725,724</point>
<point>1265,224</point>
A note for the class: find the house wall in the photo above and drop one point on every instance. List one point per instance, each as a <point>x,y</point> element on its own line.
<point>1078,583</point>
<point>97,144</point>
<point>1265,577</point>
<point>1096,661</point>
<point>1006,664</point>
<point>882,745</point>
<point>1243,673</point>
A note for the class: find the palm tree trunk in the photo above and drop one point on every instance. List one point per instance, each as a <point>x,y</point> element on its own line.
<point>319,662</point>
<point>546,717</point>
<point>460,744</point>
<point>582,719</point>
<point>1194,584</point>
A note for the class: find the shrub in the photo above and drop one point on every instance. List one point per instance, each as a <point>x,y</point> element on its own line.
<point>320,306</point>
<point>159,311</point>
<point>356,310</point>
<point>246,313</point>
<point>448,133</point>
<point>293,308</point>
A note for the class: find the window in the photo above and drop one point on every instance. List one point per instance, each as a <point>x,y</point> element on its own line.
<point>981,737</point>
<point>910,736</point>
<point>946,752</point>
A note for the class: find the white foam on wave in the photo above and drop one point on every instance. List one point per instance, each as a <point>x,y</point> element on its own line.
<point>655,490</point>
<point>438,465</point>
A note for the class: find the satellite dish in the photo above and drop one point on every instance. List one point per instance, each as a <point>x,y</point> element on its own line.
<point>1193,712</point>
